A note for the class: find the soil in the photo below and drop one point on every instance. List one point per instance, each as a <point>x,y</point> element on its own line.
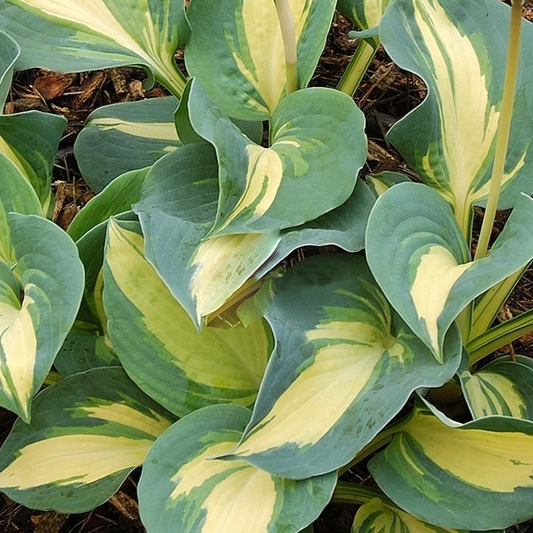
<point>385,95</point>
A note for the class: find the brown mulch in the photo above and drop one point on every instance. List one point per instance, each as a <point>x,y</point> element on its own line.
<point>386,94</point>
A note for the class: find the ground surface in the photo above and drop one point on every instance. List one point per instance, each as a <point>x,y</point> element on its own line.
<point>385,95</point>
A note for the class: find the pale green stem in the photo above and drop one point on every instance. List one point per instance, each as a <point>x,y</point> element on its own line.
<point>288,33</point>
<point>52,378</point>
<point>504,129</point>
<point>366,50</point>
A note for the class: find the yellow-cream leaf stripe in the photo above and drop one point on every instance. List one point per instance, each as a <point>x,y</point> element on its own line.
<point>71,459</point>
<point>465,108</point>
<point>493,394</point>
<point>322,393</point>
<point>13,157</point>
<point>97,17</point>
<point>243,502</point>
<point>18,344</point>
<point>263,180</point>
<point>475,456</point>
<point>223,264</point>
<point>435,277</point>
<point>119,413</point>
<point>165,131</point>
<point>139,282</point>
<point>264,43</point>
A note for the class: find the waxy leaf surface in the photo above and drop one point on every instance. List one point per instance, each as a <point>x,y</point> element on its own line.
<point>159,345</point>
<point>88,432</point>
<point>344,365</point>
<point>474,476</point>
<point>98,34</point>
<point>236,51</point>
<point>365,13</point>
<point>127,136</point>
<point>184,490</point>
<point>420,259</point>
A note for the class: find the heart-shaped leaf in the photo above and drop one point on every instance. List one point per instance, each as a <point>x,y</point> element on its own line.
<point>88,432</point>
<point>420,258</point>
<point>159,345</point>
<point>262,188</point>
<point>183,490</point>
<point>240,42</point>
<point>344,365</point>
<point>33,330</point>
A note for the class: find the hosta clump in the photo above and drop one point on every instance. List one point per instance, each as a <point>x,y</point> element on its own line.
<point>242,389</point>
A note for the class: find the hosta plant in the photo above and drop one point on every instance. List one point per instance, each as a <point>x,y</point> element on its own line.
<point>174,333</point>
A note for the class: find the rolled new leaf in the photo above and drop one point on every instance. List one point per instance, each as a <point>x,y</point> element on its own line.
<point>420,259</point>
<point>449,139</point>
<point>502,387</point>
<point>119,138</point>
<point>33,326</point>
<point>236,51</point>
<point>475,476</point>
<point>88,432</point>
<point>344,366</point>
<point>159,345</point>
<point>184,490</point>
<point>98,34</point>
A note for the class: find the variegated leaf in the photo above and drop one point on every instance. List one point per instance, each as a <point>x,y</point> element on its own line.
<point>84,349</point>
<point>503,387</point>
<point>17,196</point>
<point>240,42</point>
<point>33,327</point>
<point>29,140</point>
<point>127,136</point>
<point>377,516</point>
<point>98,34</point>
<point>88,432</point>
<point>449,139</point>
<point>473,476</point>
<point>177,212</point>
<point>160,347</point>
<point>118,197</point>
<point>261,188</point>
<point>184,490</point>
<point>420,259</point>
<point>345,364</point>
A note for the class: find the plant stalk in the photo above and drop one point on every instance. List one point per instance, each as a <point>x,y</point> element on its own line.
<point>366,50</point>
<point>504,128</point>
<point>288,33</point>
